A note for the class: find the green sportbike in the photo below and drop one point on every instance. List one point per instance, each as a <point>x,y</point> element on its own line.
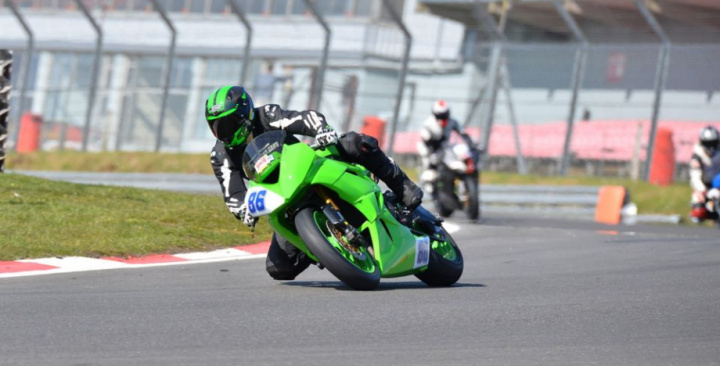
<point>336,213</point>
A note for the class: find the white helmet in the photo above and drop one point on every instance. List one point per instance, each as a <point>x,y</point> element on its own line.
<point>441,110</point>
<point>710,139</point>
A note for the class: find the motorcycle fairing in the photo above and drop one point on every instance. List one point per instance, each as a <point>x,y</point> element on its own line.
<point>260,201</point>
<point>396,250</point>
<point>355,186</point>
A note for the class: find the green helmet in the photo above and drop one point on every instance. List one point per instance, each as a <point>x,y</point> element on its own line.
<point>229,113</point>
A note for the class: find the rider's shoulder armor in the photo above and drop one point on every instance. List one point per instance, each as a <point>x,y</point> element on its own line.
<point>266,114</point>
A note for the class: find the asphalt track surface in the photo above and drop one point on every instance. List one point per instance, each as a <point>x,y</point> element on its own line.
<point>535,291</point>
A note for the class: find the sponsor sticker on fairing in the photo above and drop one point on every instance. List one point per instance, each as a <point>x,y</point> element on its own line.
<point>263,162</point>
<point>422,251</point>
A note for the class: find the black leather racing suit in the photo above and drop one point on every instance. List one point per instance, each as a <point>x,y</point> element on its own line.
<point>284,261</point>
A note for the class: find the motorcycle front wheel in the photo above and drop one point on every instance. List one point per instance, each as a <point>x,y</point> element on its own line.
<point>353,266</point>
<point>446,262</point>
<point>472,204</point>
<point>444,198</point>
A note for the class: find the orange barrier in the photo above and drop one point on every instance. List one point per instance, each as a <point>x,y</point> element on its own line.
<point>609,204</point>
<point>374,126</point>
<point>29,134</point>
<point>662,170</point>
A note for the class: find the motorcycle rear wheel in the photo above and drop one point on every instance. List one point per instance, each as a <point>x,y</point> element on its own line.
<point>446,263</point>
<point>356,269</point>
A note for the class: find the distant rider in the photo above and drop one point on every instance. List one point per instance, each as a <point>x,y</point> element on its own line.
<point>435,133</point>
<point>234,121</point>
<point>704,166</point>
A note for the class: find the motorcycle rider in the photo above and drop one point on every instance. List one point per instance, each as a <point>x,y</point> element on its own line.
<point>435,133</point>
<point>704,166</point>
<point>234,120</point>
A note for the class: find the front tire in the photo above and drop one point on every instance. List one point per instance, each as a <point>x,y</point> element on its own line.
<point>445,204</point>
<point>355,269</point>
<point>473,197</point>
<point>446,263</point>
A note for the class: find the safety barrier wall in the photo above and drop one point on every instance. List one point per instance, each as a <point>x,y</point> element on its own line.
<point>598,140</point>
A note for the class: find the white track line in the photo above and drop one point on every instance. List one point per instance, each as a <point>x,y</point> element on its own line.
<point>450,227</point>
<point>80,264</point>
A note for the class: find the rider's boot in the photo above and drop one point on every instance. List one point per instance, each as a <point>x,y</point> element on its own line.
<point>412,194</point>
<point>364,149</point>
<point>397,181</point>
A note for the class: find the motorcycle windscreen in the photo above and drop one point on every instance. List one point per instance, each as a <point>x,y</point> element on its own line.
<point>261,156</point>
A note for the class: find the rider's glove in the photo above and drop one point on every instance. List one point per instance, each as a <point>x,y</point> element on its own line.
<point>245,216</point>
<point>326,136</point>
<point>241,212</point>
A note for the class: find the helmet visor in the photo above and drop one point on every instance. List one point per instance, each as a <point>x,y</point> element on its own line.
<point>442,115</point>
<point>710,145</point>
<point>230,129</point>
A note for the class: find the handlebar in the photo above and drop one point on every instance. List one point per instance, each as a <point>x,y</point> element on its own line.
<point>316,146</point>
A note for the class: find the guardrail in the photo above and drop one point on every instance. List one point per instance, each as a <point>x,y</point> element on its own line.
<point>579,202</point>
<point>557,200</point>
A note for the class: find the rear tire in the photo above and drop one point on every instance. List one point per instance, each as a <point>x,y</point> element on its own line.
<point>358,271</point>
<point>446,263</point>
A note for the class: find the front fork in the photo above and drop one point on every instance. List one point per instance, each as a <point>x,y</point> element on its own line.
<point>338,222</point>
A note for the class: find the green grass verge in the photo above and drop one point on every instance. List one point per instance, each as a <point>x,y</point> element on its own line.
<point>43,218</point>
<point>135,162</point>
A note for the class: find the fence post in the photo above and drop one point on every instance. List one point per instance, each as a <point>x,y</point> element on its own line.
<point>167,72</point>
<point>498,73</point>
<point>660,77</point>
<point>5,67</point>
<point>481,17</point>
<point>403,72</point>
<point>494,72</point>
<point>95,72</point>
<point>320,75</point>
<point>577,78</point>
<point>238,10</point>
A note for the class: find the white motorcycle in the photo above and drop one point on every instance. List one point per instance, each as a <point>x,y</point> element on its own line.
<point>452,177</point>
